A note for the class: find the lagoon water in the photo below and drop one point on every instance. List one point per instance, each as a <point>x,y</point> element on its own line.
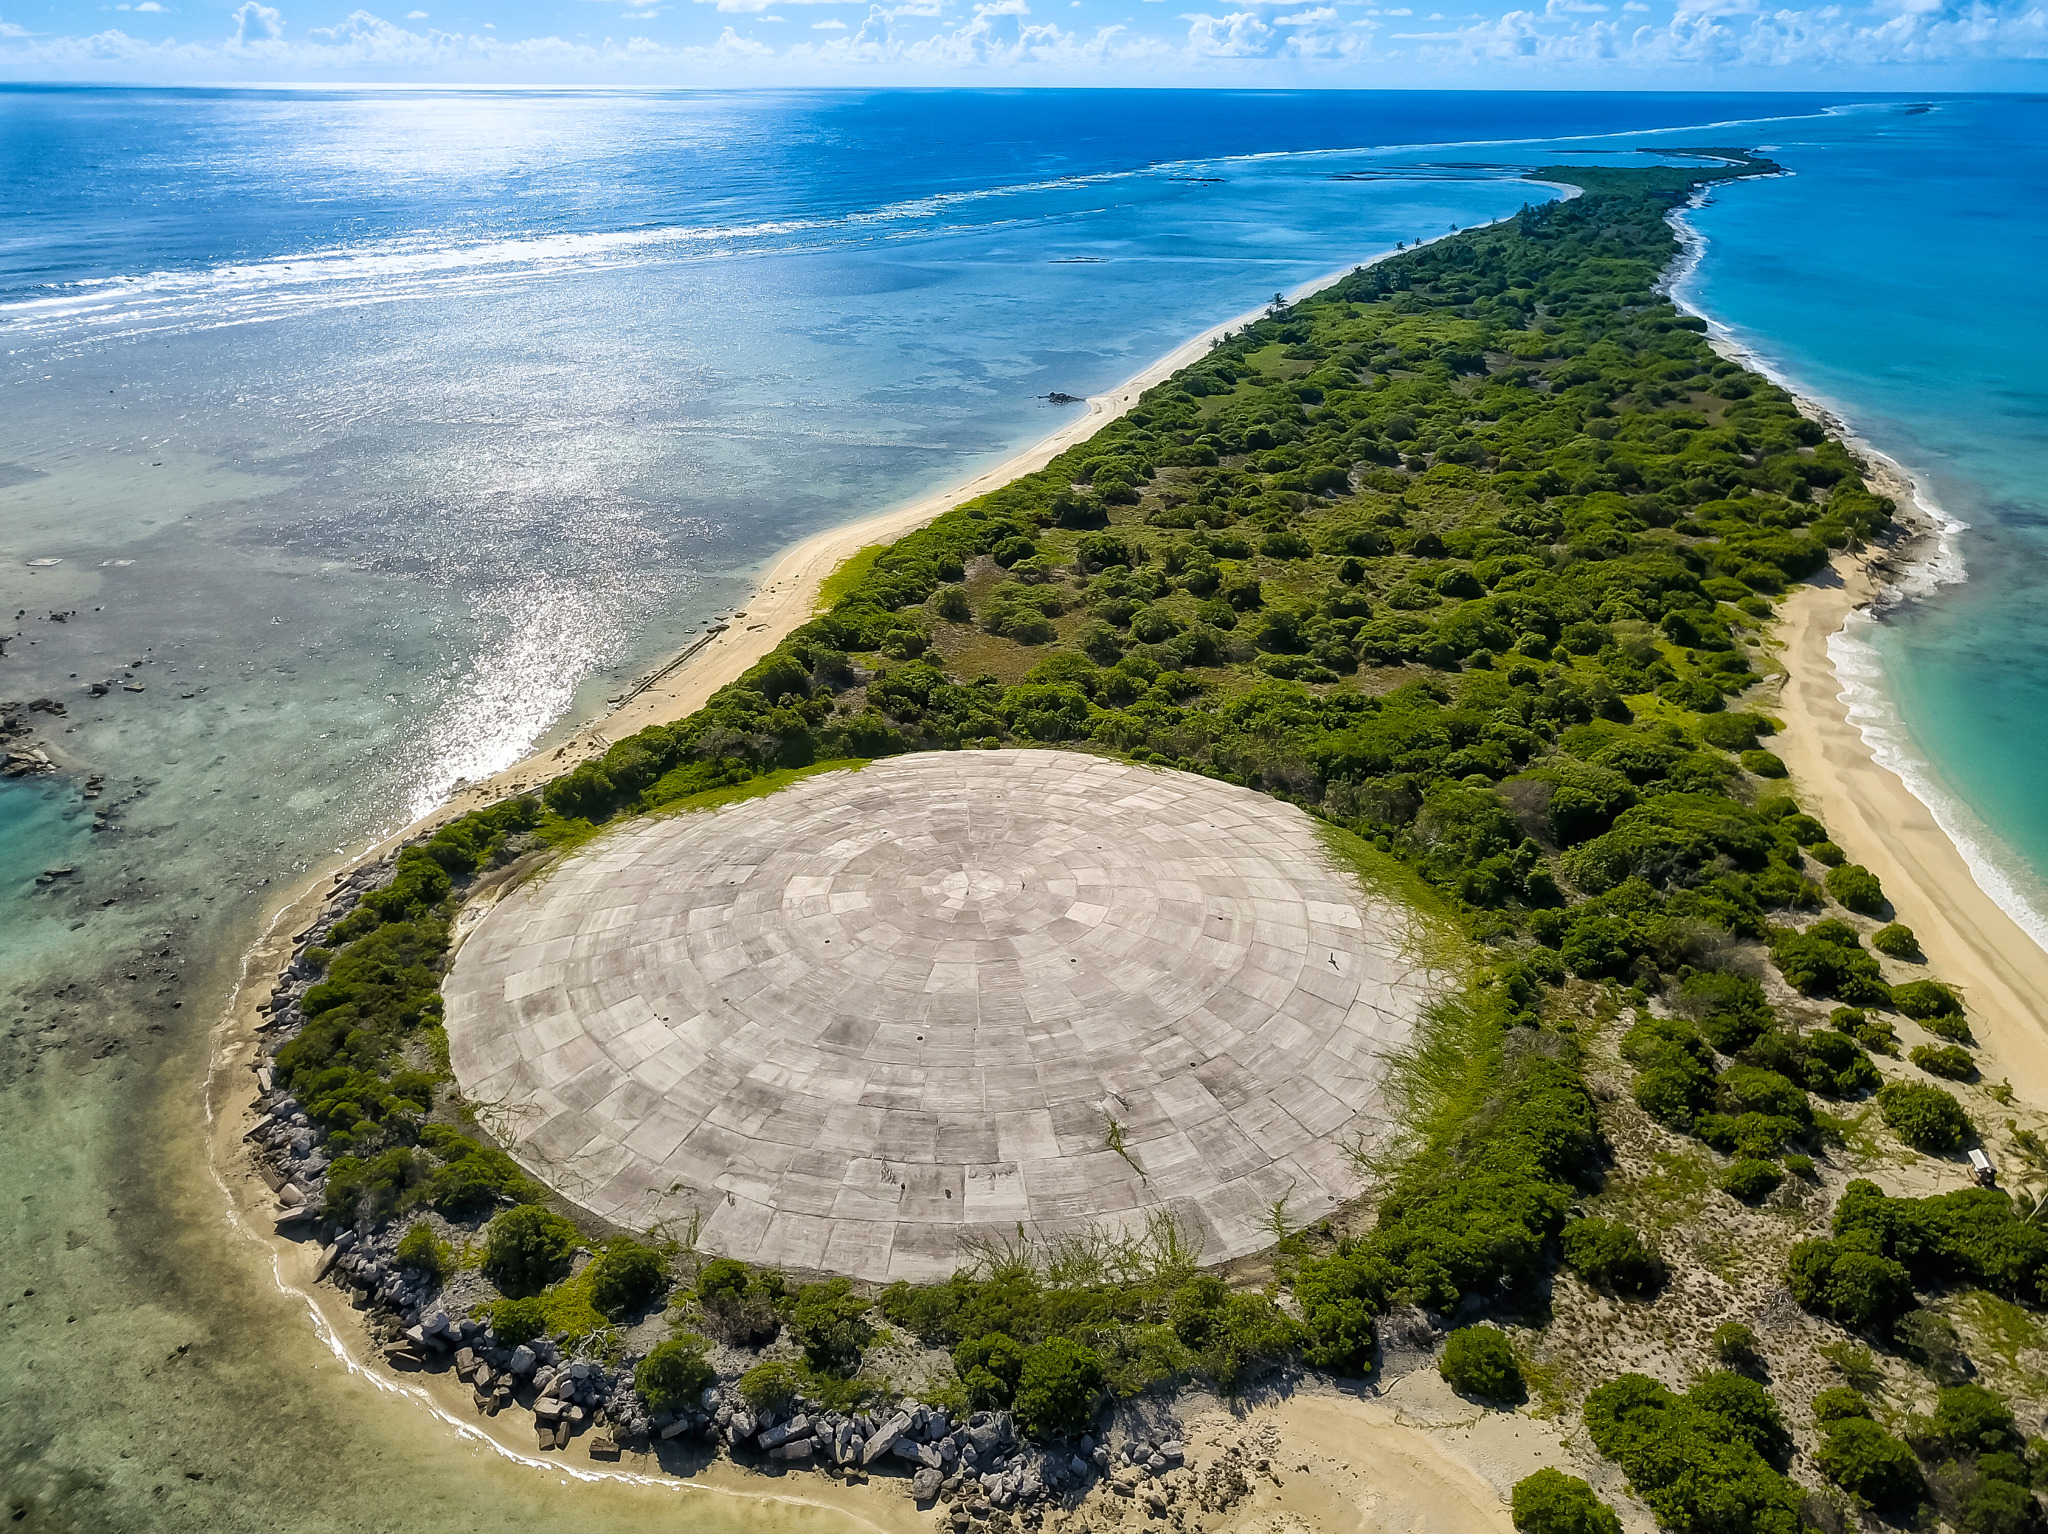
<point>381,434</point>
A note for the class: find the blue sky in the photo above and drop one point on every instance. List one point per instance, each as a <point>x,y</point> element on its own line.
<point>1908,45</point>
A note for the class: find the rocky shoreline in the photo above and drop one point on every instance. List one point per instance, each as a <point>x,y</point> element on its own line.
<point>976,1469</point>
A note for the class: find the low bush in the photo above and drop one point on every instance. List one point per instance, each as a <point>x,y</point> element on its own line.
<point>1838,1402</point>
<point>1231,1336</point>
<point>1479,1361</point>
<point>517,1321</point>
<point>771,1385</point>
<point>1951,1062</point>
<point>1857,888</point>
<point>989,1368</point>
<point>1968,1419</point>
<point>1747,1408</point>
<point>1895,941</point>
<point>472,1176</point>
<point>624,1276</point>
<point>1751,1180</point>
<point>1057,1387</point>
<point>1551,1502</point>
<point>1827,959</point>
<point>1608,1255</point>
<point>1924,1001</point>
<point>1699,1471</point>
<point>740,1306</point>
<point>1988,1505</point>
<point>829,1321</point>
<point>420,1250</point>
<point>526,1248</point>
<point>1926,1118</point>
<point>1735,1344</point>
<point>1846,1280</point>
<point>1765,764</point>
<point>1969,1236</point>
<point>674,1374</point>
<point>1866,1461</point>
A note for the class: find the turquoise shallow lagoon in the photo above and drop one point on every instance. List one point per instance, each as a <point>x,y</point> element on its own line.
<point>380,435</point>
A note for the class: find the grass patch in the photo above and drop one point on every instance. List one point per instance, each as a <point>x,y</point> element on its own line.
<point>841,582</point>
<point>2005,1332</point>
<point>1674,1189</point>
<point>757,787</point>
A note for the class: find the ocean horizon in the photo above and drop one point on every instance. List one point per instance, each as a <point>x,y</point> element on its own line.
<point>361,443</point>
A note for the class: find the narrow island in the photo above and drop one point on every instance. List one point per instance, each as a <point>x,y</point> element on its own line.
<point>1366,744</point>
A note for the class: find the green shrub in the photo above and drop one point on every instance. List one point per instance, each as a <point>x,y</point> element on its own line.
<point>1838,1402</point>
<point>1057,1386</point>
<point>1736,1345</point>
<point>674,1374</point>
<point>1765,764</point>
<point>830,1324</point>
<point>1830,1062</point>
<point>526,1248</point>
<point>1895,941</point>
<point>1339,1298</point>
<point>989,1368</point>
<point>1828,959</point>
<point>375,1188</point>
<point>420,1250</point>
<point>1231,1335</point>
<point>1926,1000</point>
<point>1856,887</point>
<point>1751,1180</point>
<point>1991,1506</point>
<point>770,1385</point>
<point>739,1306</point>
<point>624,1275</point>
<point>1731,1009</point>
<point>1866,1461</point>
<point>1748,1410</point>
<point>1847,1281</point>
<point>517,1321</point>
<point>1734,731</point>
<point>1828,853</point>
<point>1798,1165</point>
<point>1969,1419</point>
<point>1699,1472</point>
<point>1969,1236</point>
<point>473,1176</point>
<point>1551,1502</point>
<point>1926,1118</point>
<point>1480,1361</point>
<point>1951,1062</point>
<point>1608,1255</point>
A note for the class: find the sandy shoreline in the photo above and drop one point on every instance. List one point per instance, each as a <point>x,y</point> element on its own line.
<point>1969,940</point>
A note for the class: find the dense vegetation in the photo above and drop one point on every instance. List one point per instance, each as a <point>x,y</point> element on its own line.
<point>1467,556</point>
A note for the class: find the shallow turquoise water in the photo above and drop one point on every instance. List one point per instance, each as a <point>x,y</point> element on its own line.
<point>1897,276</point>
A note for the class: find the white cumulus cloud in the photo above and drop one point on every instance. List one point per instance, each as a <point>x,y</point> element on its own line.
<point>1240,34</point>
<point>253,19</point>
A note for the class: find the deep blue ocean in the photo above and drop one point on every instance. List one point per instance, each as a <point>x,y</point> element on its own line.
<point>375,436</point>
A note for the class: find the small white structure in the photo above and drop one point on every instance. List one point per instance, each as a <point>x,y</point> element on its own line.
<point>1981,1169</point>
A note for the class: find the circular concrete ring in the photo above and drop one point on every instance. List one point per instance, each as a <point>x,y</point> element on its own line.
<point>858,1022</point>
